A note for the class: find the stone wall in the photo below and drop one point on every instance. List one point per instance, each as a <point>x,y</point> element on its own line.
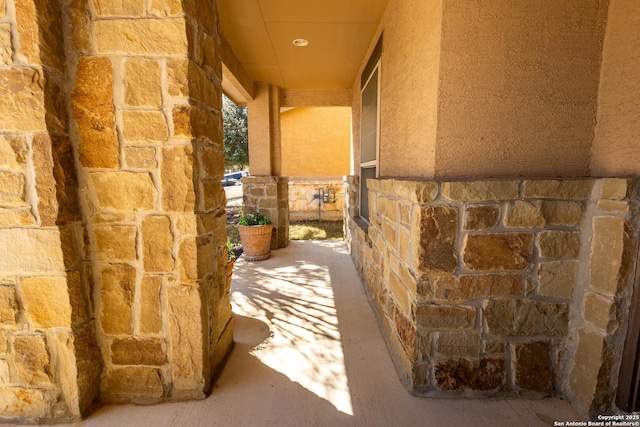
<point>304,206</point>
<point>498,287</point>
<point>112,222</point>
<point>602,304</point>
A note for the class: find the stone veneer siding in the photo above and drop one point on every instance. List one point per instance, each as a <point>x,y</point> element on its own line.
<point>303,205</point>
<point>269,195</point>
<point>488,288</point>
<point>112,222</point>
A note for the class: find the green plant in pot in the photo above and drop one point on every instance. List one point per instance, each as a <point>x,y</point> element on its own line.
<point>231,259</point>
<point>255,234</point>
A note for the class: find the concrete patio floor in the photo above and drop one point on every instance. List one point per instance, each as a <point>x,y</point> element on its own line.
<point>309,352</point>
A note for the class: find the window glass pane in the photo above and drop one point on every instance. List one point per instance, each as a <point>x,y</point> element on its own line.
<point>369,123</point>
<point>364,191</point>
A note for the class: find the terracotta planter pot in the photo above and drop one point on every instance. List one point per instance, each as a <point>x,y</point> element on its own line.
<point>230,272</point>
<point>256,241</point>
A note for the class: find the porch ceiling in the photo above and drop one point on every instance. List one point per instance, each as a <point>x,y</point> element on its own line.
<point>261,32</point>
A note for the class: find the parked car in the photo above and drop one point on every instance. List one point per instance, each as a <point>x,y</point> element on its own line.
<point>236,175</point>
<point>232,188</point>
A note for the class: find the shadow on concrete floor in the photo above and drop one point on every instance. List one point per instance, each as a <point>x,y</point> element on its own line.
<point>308,352</point>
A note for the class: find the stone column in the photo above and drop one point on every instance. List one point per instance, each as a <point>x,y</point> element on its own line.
<point>49,361</point>
<point>269,195</point>
<point>146,125</point>
<point>266,191</point>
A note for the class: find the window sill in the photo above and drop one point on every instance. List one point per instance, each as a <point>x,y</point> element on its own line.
<point>364,225</point>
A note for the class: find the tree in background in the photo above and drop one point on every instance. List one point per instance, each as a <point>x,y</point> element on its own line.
<point>236,136</point>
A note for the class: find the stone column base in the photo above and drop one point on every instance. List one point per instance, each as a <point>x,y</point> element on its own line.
<point>269,195</point>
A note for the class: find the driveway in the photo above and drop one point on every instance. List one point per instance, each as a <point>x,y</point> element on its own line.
<point>234,195</point>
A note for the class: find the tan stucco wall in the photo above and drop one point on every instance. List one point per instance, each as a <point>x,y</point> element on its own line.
<point>409,87</point>
<point>264,130</point>
<point>616,147</point>
<point>315,98</point>
<point>480,89</point>
<point>518,87</point>
<point>409,90</point>
<point>316,141</point>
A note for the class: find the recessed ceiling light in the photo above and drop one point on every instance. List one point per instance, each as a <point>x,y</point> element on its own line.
<point>300,42</point>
